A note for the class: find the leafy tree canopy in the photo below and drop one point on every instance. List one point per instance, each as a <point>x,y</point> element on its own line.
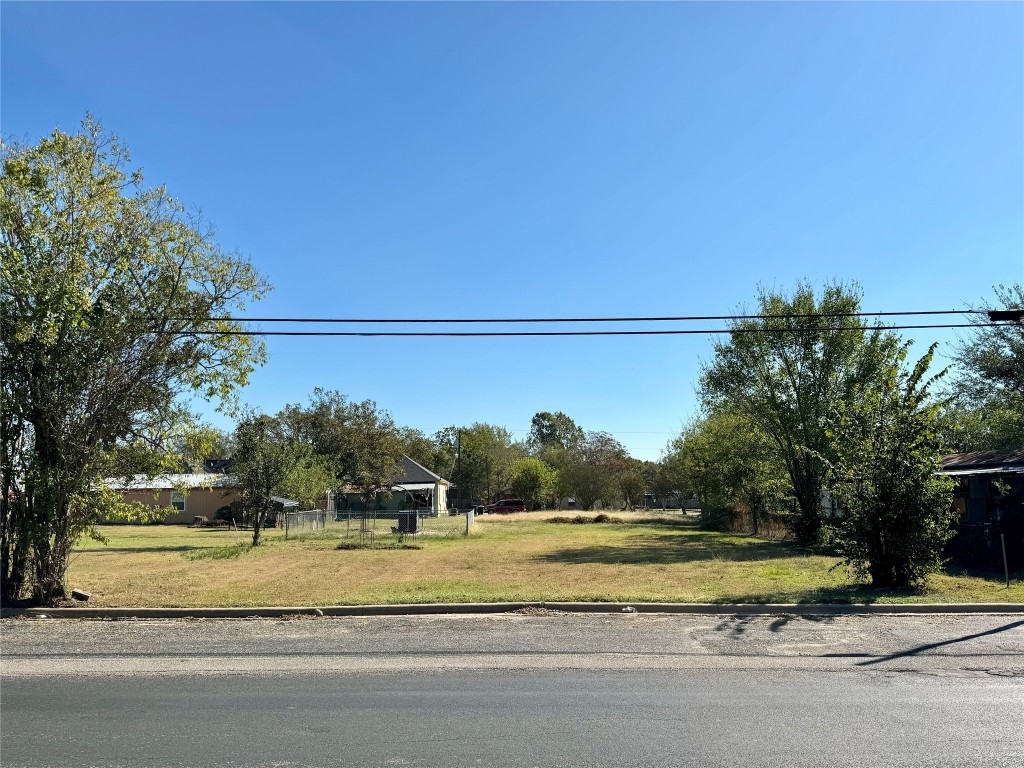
<point>104,283</point>
<point>733,466</point>
<point>785,371</point>
<point>360,443</point>
<point>987,409</point>
<point>591,470</point>
<point>554,430</point>
<point>533,480</point>
<point>268,461</point>
<point>895,510</point>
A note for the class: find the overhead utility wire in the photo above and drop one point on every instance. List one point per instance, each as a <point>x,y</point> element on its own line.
<point>675,332</point>
<point>684,318</point>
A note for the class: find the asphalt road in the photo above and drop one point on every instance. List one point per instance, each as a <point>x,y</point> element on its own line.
<point>515,691</point>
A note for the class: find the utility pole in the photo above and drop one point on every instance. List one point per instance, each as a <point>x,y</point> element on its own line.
<point>458,466</point>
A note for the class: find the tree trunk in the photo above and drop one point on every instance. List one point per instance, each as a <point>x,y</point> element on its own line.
<point>14,568</point>
<point>257,525</point>
<point>807,525</point>
<point>51,567</point>
<point>50,529</point>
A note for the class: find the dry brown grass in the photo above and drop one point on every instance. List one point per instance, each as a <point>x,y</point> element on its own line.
<point>513,557</point>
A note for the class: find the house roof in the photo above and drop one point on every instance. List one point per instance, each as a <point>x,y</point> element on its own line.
<point>170,481</point>
<point>411,477</point>
<point>983,462</point>
<point>412,472</point>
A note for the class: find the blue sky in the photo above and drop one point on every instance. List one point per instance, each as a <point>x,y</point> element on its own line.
<point>482,160</point>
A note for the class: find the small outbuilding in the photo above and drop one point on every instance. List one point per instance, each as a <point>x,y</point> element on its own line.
<point>989,497</point>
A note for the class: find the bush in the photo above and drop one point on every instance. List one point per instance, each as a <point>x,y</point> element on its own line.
<point>897,512</point>
<point>229,512</point>
<point>716,518</point>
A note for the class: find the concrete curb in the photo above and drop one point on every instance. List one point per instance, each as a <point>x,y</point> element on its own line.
<point>430,609</point>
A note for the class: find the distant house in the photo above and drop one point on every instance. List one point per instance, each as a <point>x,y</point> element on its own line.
<point>989,497</point>
<point>415,488</point>
<point>188,494</point>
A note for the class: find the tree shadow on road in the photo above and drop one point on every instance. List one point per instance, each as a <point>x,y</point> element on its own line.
<point>737,626</point>
<point>931,646</point>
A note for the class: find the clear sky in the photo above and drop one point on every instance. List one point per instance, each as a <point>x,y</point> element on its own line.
<point>480,160</point>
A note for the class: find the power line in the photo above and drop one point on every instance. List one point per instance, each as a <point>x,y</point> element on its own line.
<point>673,332</point>
<point>681,318</point>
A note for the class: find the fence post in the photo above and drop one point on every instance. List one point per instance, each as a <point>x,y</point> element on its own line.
<point>1006,565</point>
<point>469,519</point>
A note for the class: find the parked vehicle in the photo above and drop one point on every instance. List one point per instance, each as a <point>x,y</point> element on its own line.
<point>505,506</point>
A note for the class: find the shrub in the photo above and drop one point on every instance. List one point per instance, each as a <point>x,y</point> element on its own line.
<point>715,518</point>
<point>229,512</point>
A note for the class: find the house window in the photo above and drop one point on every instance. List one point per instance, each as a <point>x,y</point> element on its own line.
<point>178,501</point>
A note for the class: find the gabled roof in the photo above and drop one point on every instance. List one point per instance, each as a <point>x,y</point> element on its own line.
<point>1010,461</point>
<point>411,472</point>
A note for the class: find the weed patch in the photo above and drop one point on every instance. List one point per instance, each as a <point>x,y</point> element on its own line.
<point>583,519</point>
<point>228,552</point>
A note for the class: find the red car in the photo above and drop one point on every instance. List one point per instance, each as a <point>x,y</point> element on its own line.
<point>505,506</point>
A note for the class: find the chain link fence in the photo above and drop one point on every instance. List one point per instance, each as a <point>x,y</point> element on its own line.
<point>313,522</point>
<point>377,528</point>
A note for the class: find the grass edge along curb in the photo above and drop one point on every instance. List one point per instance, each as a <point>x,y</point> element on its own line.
<point>428,609</point>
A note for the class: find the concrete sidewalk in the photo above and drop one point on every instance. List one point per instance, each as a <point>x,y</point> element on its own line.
<point>938,644</point>
<point>428,609</point>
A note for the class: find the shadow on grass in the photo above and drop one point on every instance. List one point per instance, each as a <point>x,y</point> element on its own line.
<point>667,548</point>
<point>985,574</point>
<point>138,550</point>
<point>847,594</point>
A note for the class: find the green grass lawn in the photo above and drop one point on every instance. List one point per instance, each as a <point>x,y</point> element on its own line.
<point>513,558</point>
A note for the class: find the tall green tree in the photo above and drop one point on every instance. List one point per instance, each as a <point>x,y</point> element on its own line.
<point>266,458</point>
<point>104,283</point>
<point>487,462</point>
<point>785,371</point>
<point>896,510</point>
<point>632,480</point>
<point>986,411</point>
<point>671,482</point>
<point>592,469</point>
<point>361,443</point>
<point>554,430</point>
<point>533,481</point>
<point>733,466</point>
